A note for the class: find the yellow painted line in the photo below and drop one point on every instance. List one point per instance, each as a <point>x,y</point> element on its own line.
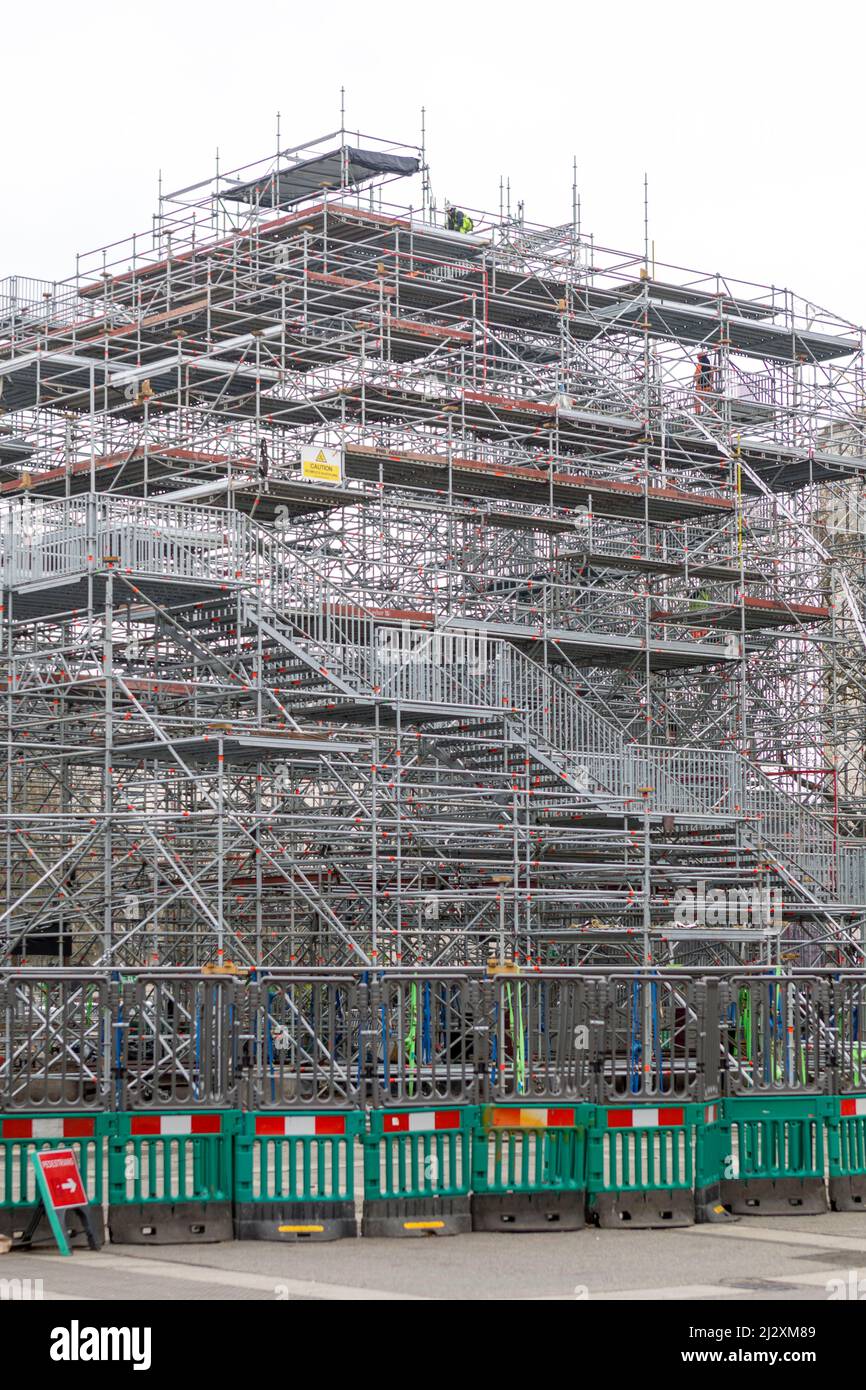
<point>423,1225</point>
<point>299,1230</point>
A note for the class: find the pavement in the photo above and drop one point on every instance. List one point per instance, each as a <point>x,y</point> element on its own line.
<point>757,1259</point>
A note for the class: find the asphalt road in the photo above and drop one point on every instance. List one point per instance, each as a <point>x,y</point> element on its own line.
<point>786,1258</point>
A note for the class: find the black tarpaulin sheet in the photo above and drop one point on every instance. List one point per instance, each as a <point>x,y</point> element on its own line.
<point>313,176</point>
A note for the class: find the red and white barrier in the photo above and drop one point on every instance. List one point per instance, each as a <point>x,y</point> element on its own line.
<point>49,1127</point>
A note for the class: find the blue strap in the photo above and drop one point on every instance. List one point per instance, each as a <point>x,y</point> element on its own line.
<point>426,1029</point>
<point>635,1046</point>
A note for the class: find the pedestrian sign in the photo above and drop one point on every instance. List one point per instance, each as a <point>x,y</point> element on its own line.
<point>62,1178</point>
<point>60,1190</point>
<point>320,465</point>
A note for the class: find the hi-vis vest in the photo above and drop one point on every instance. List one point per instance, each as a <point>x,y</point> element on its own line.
<point>459,221</point>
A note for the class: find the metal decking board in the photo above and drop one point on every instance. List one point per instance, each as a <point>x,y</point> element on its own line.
<point>746,336</point>
<point>474,478</point>
<point>69,594</point>
<point>205,749</point>
<point>598,648</point>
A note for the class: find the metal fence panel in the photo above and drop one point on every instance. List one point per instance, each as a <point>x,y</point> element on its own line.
<point>177,1042</point>
<point>651,1039</point>
<point>541,1038</point>
<point>303,1041</point>
<point>55,1041</point>
<point>847,1020</point>
<point>779,1035</point>
<point>428,1040</point>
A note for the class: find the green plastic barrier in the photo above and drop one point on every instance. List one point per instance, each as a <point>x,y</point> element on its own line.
<point>776,1155</point>
<point>641,1165</point>
<point>529,1167</point>
<point>418,1171</point>
<point>295,1175</point>
<point>21,1135</point>
<point>170,1177</point>
<point>712,1164</point>
<point>846,1147</point>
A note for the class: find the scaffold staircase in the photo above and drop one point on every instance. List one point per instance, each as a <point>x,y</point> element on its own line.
<point>321,642</point>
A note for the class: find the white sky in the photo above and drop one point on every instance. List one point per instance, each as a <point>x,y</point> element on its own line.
<point>748,117</point>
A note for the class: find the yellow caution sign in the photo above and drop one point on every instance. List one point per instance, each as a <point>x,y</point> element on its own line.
<point>321,465</point>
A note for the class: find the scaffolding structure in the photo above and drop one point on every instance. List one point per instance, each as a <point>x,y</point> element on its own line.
<point>562,654</point>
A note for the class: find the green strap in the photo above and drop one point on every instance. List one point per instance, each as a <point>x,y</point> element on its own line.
<point>521,1044</point>
<point>781,1048</point>
<point>744,1007</point>
<point>516,1026</point>
<point>411,1034</point>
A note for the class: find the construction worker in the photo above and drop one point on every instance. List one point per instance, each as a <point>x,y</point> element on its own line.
<point>459,221</point>
<point>264,464</point>
<point>703,378</point>
<point>699,603</point>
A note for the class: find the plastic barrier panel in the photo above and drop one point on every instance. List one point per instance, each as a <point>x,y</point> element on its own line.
<point>529,1168</point>
<point>777,1148</point>
<point>713,1163</point>
<point>418,1171</point>
<point>846,1144</point>
<point>640,1166</point>
<point>295,1176</point>
<point>21,1135</point>
<point>170,1178</point>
